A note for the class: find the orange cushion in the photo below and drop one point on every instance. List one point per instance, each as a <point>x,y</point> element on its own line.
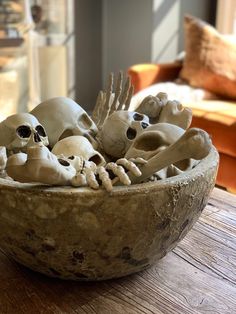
<point>226,172</point>
<point>144,75</point>
<point>218,118</point>
<point>210,60</point>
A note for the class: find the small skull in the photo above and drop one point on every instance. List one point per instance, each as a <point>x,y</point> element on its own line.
<point>77,146</point>
<point>175,113</point>
<point>156,138</point>
<point>20,131</point>
<point>62,117</point>
<point>119,131</point>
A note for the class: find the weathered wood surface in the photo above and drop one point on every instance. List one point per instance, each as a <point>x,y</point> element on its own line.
<point>199,276</point>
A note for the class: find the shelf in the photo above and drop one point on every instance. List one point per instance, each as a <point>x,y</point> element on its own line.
<point>11,42</point>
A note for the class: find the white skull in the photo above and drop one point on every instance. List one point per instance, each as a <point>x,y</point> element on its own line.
<point>20,131</point>
<point>77,146</point>
<point>154,139</point>
<point>119,131</point>
<point>173,112</point>
<point>62,117</point>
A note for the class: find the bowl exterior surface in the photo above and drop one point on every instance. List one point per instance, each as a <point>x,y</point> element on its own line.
<point>82,234</point>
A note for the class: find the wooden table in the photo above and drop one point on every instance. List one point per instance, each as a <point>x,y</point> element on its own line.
<point>199,276</point>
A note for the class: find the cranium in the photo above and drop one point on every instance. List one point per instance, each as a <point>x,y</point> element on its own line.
<point>62,117</point>
<point>78,146</point>
<point>154,139</point>
<point>173,112</point>
<point>119,131</point>
<point>20,131</point>
<point>193,144</point>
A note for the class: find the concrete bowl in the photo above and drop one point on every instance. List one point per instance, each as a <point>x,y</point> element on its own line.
<point>82,234</point>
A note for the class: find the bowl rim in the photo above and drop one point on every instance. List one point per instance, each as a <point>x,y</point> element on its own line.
<point>210,161</point>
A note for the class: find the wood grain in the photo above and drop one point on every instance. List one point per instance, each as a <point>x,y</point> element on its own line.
<point>199,276</point>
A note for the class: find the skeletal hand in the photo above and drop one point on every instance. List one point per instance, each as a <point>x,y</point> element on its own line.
<point>109,101</point>
<point>94,176</point>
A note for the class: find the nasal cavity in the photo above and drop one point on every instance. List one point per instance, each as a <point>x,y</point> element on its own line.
<point>37,138</point>
<point>144,125</point>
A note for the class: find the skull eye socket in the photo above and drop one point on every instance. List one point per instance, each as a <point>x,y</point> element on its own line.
<point>138,117</point>
<point>85,122</point>
<point>71,157</point>
<point>63,162</point>
<point>40,130</point>
<point>131,133</point>
<point>23,131</point>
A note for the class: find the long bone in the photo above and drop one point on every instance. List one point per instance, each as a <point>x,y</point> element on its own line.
<point>39,165</point>
<point>194,143</point>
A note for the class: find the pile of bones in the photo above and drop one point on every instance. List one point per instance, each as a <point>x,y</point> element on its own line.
<point>58,143</point>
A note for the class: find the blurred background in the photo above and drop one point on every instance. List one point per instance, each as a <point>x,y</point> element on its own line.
<point>54,48</point>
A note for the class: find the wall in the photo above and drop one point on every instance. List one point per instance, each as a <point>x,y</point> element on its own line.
<point>114,34</point>
<point>127,26</point>
<point>88,32</point>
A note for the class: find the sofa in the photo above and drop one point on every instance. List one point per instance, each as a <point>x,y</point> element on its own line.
<point>204,80</point>
<point>212,113</point>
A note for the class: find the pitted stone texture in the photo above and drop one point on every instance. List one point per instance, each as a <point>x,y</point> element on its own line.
<point>83,234</point>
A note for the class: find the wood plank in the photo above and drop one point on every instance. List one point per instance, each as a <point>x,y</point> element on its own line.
<point>199,276</point>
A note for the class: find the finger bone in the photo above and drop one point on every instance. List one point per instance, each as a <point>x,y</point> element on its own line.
<point>104,177</point>
<point>129,165</point>
<point>91,178</point>
<point>79,180</point>
<point>119,172</point>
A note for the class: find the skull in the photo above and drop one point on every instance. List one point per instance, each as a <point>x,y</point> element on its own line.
<point>173,112</point>
<point>62,117</point>
<point>20,131</point>
<point>154,139</point>
<point>119,131</point>
<point>77,146</point>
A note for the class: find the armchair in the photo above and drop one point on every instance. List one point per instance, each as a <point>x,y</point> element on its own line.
<point>217,116</point>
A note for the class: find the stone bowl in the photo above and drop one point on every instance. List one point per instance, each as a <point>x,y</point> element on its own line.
<point>82,234</point>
